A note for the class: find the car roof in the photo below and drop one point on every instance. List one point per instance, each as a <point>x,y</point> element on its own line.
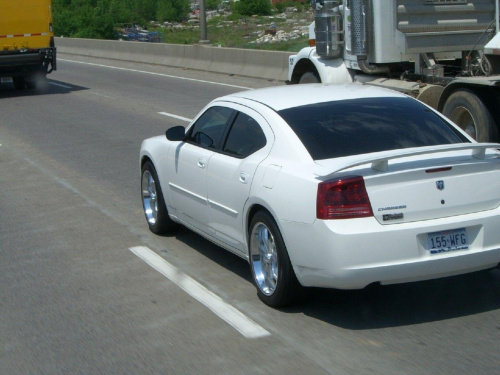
<point>283,97</point>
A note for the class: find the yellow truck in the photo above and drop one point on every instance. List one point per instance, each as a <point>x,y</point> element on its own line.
<point>27,51</point>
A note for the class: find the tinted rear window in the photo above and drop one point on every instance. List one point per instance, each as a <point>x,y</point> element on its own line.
<point>358,126</point>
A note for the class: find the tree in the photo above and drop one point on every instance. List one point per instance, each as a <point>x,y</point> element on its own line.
<point>212,4</point>
<point>172,10</point>
<point>251,7</point>
<point>99,18</point>
<point>148,9</point>
<point>85,18</point>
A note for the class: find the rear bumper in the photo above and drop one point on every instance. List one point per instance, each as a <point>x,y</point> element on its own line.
<point>18,64</point>
<point>351,254</point>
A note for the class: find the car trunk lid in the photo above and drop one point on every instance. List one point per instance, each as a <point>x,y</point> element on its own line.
<point>443,181</point>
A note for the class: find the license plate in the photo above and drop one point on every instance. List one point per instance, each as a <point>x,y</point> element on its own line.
<point>450,240</point>
<point>6,80</point>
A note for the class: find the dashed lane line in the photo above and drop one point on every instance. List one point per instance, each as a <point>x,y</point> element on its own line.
<point>228,313</point>
<point>175,116</point>
<point>231,315</point>
<point>60,85</point>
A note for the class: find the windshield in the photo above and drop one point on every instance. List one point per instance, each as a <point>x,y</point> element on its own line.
<point>358,126</point>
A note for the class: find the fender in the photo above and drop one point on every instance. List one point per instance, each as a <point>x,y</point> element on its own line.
<point>329,70</point>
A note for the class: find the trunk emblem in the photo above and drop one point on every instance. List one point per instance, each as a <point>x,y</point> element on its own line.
<point>440,184</point>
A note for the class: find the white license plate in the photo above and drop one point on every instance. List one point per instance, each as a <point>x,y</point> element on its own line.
<point>6,80</point>
<point>450,240</point>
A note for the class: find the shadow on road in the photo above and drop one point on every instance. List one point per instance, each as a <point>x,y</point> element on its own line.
<point>51,86</point>
<point>215,253</point>
<point>377,306</point>
<point>405,304</point>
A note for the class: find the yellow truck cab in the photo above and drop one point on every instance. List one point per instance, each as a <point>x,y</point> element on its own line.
<point>27,51</point>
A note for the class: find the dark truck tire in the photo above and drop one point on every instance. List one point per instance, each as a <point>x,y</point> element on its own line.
<point>19,83</point>
<point>466,109</point>
<point>309,77</point>
<point>31,85</point>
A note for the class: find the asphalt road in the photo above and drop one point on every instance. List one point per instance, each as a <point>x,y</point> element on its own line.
<point>75,298</point>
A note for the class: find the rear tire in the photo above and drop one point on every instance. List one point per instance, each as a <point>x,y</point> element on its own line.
<point>153,203</point>
<point>309,77</point>
<point>272,271</point>
<point>37,80</point>
<point>31,85</point>
<point>19,83</point>
<point>466,109</point>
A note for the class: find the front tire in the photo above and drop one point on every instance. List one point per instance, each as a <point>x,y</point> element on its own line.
<point>272,271</point>
<point>309,77</point>
<point>153,203</point>
<point>466,109</point>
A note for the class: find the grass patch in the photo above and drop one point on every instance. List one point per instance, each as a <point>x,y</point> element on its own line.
<point>236,31</point>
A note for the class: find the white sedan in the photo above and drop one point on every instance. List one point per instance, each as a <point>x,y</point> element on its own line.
<point>328,186</point>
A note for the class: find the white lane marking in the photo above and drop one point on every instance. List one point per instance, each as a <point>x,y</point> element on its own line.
<point>59,85</point>
<point>157,74</point>
<point>232,316</point>
<point>175,116</point>
<point>99,94</point>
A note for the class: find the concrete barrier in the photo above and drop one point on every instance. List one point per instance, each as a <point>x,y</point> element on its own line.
<point>244,62</point>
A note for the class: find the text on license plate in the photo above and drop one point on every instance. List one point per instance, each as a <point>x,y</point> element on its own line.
<point>450,240</point>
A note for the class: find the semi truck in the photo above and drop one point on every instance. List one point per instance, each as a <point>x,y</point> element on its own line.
<point>446,53</point>
<point>27,51</point>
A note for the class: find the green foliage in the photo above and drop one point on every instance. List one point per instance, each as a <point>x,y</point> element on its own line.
<point>98,18</point>
<point>172,10</point>
<point>85,18</point>
<point>212,4</point>
<point>280,7</point>
<point>234,16</point>
<point>251,7</point>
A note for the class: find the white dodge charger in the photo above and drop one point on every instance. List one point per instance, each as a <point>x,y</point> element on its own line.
<point>328,186</point>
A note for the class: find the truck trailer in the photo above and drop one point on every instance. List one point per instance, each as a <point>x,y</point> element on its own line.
<point>446,53</point>
<point>27,51</point>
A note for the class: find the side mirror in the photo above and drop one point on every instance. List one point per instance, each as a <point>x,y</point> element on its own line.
<point>176,133</point>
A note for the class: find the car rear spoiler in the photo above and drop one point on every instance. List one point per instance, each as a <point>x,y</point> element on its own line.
<point>380,160</point>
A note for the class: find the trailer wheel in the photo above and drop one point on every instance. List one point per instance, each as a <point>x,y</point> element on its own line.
<point>466,109</point>
<point>309,77</point>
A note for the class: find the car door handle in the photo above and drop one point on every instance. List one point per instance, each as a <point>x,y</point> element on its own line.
<point>202,163</point>
<point>244,177</point>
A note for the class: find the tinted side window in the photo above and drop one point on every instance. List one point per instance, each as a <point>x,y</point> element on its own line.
<point>358,126</point>
<point>245,137</point>
<point>209,128</point>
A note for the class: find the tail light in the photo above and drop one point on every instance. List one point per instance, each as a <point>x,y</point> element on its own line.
<point>312,42</point>
<point>343,198</point>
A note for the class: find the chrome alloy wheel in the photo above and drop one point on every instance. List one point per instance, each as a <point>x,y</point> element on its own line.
<point>264,256</point>
<point>149,197</point>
